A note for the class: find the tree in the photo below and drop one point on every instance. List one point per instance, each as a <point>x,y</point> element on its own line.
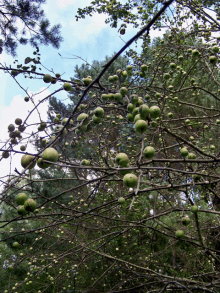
<point>36,27</point>
<point>132,203</point>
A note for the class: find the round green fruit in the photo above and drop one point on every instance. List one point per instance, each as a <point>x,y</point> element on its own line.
<point>16,245</point>
<point>191,156</point>
<point>149,152</point>
<point>135,111</point>
<point>21,198</point>
<point>194,209</point>
<point>130,108</point>
<point>118,97</point>
<point>104,97</point>
<point>21,210</point>
<point>50,154</point>
<point>166,76</point>
<point>99,112</point>
<point>154,112</point>
<point>195,53</point>
<point>179,233</point>
<point>122,159</point>
<point>141,126</point>
<point>130,117</point>
<point>121,200</point>
<point>123,91</point>
<point>144,111</point>
<point>67,87</point>
<point>5,154</point>
<point>137,117</point>
<point>172,66</point>
<point>84,117</point>
<point>47,78</point>
<point>130,180</point>
<point>30,205</point>
<point>87,80</point>
<point>185,221</point>
<point>134,99</point>
<point>26,160</point>
<point>213,59</point>
<point>85,162</point>
<point>41,164</point>
<point>144,67</point>
<point>215,49</point>
<point>96,119</point>
<point>184,152</point>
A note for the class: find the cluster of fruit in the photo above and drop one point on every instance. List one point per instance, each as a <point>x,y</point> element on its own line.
<point>25,204</point>
<point>48,155</point>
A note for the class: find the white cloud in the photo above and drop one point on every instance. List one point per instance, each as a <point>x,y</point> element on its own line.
<point>20,109</point>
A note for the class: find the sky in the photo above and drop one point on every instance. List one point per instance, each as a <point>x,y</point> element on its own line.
<point>90,39</point>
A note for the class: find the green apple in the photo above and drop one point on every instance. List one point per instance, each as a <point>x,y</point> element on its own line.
<point>121,200</point>
<point>166,76</point>
<point>26,160</point>
<point>130,117</point>
<point>191,156</point>
<point>122,159</point>
<point>135,111</point>
<point>111,78</point>
<point>194,209</point>
<point>154,112</point>
<point>16,245</point>
<point>170,115</point>
<point>50,154</point>
<point>104,97</point>
<point>184,152</point>
<point>186,221</point>
<point>140,101</point>
<point>21,198</point>
<point>141,126</point>
<point>129,68</point>
<point>172,66</point>
<point>41,164</point>
<point>42,126</point>
<point>144,111</point>
<point>195,53</point>
<point>179,233</point>
<point>83,117</point>
<point>215,49</point>
<point>96,119</point>
<point>87,80</point>
<point>21,210</point>
<point>85,162</point>
<point>47,78</point>
<point>144,67</point>
<point>118,97</point>
<point>30,205</point>
<point>213,59</point>
<point>124,74</point>
<point>130,108</point>
<point>149,152</point>
<point>67,87</point>
<point>99,112</point>
<point>137,117</point>
<point>130,180</point>
<point>123,91</point>
<point>134,99</point>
